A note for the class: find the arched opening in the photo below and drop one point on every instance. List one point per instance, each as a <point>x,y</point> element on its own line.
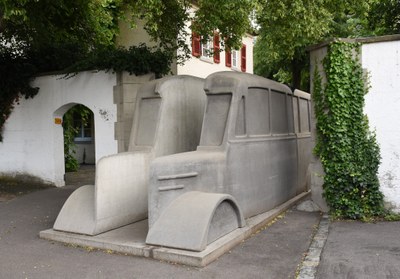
<point>84,146</point>
<point>79,138</point>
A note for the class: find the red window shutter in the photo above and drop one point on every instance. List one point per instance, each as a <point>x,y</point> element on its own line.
<point>243,58</point>
<point>196,46</point>
<point>216,48</point>
<point>228,58</point>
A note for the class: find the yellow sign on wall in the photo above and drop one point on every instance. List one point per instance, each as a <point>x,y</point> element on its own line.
<point>58,120</point>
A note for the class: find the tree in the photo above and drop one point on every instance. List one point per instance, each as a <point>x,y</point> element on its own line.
<point>385,17</point>
<point>166,20</point>
<point>287,27</point>
<point>230,18</point>
<point>54,34</point>
<point>65,31</point>
<point>70,35</point>
<point>65,28</point>
<point>48,21</point>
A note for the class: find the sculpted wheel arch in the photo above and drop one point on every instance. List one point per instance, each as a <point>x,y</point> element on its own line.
<point>195,219</point>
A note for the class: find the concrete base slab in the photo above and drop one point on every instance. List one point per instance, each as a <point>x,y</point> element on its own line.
<point>130,239</point>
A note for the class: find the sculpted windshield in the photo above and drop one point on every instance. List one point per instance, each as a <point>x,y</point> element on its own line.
<point>215,119</point>
<point>148,118</point>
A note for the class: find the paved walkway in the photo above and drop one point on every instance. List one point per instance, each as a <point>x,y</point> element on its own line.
<point>361,250</point>
<point>352,250</point>
<point>84,176</point>
<point>275,252</point>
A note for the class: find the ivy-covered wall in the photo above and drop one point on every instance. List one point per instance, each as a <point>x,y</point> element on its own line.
<point>346,145</point>
<point>379,58</point>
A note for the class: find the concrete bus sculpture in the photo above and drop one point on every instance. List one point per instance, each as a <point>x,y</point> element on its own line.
<point>253,156</point>
<point>168,118</point>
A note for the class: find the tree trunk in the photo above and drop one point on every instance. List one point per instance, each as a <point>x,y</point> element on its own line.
<point>296,74</point>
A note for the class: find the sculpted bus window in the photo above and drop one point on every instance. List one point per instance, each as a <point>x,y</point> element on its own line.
<point>296,114</point>
<point>279,117</point>
<point>215,119</point>
<point>147,123</point>
<point>289,110</point>
<point>240,129</point>
<point>304,119</point>
<point>258,111</point>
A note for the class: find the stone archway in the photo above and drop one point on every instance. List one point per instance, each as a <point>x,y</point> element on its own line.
<point>84,142</point>
<point>79,135</point>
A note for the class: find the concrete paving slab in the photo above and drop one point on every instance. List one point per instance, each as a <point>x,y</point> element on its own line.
<point>131,239</point>
<point>361,250</point>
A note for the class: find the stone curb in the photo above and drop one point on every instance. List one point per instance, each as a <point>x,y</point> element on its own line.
<point>308,268</point>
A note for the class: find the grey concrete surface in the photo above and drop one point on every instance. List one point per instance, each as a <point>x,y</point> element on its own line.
<point>356,250</point>
<point>274,252</point>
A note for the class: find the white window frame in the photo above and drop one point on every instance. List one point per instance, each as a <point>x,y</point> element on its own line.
<point>235,61</point>
<point>80,137</point>
<point>206,49</point>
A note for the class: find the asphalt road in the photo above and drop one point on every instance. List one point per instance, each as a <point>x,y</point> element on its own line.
<point>272,253</point>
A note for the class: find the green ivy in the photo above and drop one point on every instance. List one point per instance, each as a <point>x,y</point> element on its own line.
<point>16,73</point>
<point>136,60</point>
<point>70,132</point>
<point>348,150</point>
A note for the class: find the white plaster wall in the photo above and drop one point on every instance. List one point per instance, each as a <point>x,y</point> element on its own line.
<point>382,60</point>
<point>33,143</point>
<point>133,36</point>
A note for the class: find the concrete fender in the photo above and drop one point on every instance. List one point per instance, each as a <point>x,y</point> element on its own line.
<point>77,213</point>
<point>121,188</point>
<point>194,220</point>
<point>119,197</point>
